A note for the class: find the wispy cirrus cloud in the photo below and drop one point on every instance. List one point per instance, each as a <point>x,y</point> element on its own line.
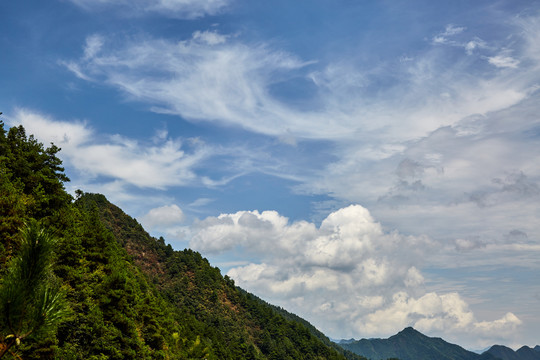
<point>215,77</point>
<point>184,9</point>
<point>204,78</point>
<point>444,36</point>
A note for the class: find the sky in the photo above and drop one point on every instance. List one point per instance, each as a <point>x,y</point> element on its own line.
<point>367,165</point>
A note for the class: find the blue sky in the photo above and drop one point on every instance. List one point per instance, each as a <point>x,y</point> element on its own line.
<point>368,165</point>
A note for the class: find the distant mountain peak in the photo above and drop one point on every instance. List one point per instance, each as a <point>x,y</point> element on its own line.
<point>410,344</point>
<point>506,353</point>
<point>410,330</point>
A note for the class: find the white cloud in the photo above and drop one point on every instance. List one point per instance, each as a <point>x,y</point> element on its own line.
<point>188,9</point>
<point>503,61</point>
<point>445,314</point>
<point>452,29</point>
<point>530,27</point>
<point>205,78</point>
<point>215,77</point>
<point>470,174</point>
<point>209,37</point>
<point>325,273</point>
<point>67,135</point>
<point>163,216</point>
<point>118,158</point>
<point>167,221</point>
<point>502,327</point>
<point>449,31</point>
<point>475,44</point>
<point>201,202</point>
<point>93,46</point>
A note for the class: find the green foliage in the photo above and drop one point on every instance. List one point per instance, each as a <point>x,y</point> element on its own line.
<point>31,186</point>
<point>35,170</point>
<point>13,214</point>
<point>117,314</point>
<point>236,324</point>
<point>31,301</point>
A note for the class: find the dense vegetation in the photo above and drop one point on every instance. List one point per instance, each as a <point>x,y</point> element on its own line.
<point>124,294</point>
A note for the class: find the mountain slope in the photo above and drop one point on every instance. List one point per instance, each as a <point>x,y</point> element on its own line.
<point>410,344</point>
<point>526,353</point>
<point>505,353</point>
<point>229,316</point>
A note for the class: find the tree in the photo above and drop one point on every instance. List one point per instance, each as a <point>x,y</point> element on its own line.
<point>31,302</point>
<point>34,169</point>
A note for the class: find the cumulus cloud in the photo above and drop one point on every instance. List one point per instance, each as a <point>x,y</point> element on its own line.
<point>163,216</point>
<point>185,9</point>
<point>167,221</point>
<point>472,173</point>
<point>503,328</point>
<point>348,274</point>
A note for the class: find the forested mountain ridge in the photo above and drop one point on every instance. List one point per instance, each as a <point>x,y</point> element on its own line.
<point>127,295</point>
<point>523,353</point>
<point>410,344</point>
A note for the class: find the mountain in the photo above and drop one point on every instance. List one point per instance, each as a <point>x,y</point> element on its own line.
<point>505,353</point>
<point>125,294</point>
<point>159,262</point>
<point>502,352</point>
<point>410,344</point>
<point>527,353</point>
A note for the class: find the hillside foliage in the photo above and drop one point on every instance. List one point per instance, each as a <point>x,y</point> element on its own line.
<point>127,295</point>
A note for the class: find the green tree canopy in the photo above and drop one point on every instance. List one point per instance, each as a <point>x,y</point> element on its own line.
<point>36,170</point>
<point>31,301</point>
